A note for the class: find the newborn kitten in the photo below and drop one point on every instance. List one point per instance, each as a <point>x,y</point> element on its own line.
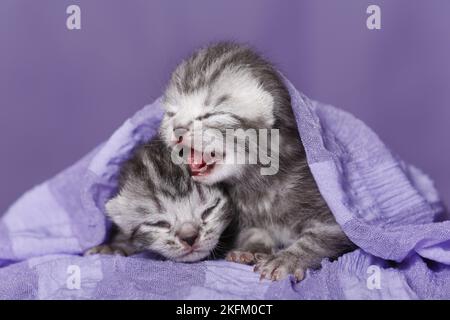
<point>284,223</point>
<point>161,209</point>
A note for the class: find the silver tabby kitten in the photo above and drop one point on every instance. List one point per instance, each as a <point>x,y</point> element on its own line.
<point>284,225</point>
<point>161,209</point>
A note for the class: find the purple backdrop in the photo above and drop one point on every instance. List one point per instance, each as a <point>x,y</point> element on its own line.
<point>62,92</point>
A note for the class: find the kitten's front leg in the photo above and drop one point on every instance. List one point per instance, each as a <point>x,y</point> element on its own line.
<point>279,265</point>
<point>252,245</point>
<point>307,252</point>
<point>119,245</point>
<point>112,248</point>
<point>104,249</point>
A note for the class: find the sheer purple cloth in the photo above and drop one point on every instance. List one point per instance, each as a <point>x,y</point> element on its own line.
<point>388,208</point>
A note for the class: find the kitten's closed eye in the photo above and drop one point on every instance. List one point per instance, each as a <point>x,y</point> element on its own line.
<point>160,224</point>
<point>208,211</point>
<point>170,114</point>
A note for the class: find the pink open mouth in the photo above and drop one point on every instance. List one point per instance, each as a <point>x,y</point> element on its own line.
<point>198,165</point>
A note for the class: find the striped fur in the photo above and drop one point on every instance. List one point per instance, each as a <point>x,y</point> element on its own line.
<point>156,199</point>
<point>284,224</point>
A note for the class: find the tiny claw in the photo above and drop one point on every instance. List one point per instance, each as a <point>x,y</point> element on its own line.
<point>275,274</point>
<point>299,275</point>
<point>262,276</point>
<point>260,256</point>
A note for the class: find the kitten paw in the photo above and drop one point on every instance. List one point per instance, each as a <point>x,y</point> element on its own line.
<point>105,249</point>
<point>243,257</point>
<point>278,266</point>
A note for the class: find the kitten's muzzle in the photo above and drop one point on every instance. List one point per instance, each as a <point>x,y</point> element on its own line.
<point>188,234</point>
<point>178,134</point>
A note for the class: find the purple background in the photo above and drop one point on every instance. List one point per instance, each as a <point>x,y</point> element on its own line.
<point>62,92</point>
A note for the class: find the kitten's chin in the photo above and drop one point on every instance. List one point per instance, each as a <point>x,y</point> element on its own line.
<point>192,257</point>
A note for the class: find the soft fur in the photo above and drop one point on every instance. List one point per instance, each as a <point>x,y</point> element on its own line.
<point>157,201</point>
<point>284,224</point>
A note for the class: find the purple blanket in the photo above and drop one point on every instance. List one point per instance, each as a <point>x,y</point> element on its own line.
<point>389,209</point>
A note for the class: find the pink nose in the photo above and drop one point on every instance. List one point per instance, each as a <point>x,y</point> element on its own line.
<point>190,240</point>
<point>188,233</point>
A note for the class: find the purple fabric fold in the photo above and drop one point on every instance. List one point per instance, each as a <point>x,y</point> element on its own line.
<point>387,207</point>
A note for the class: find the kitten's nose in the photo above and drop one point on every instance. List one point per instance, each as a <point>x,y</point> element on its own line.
<point>178,134</point>
<point>190,240</point>
<point>188,233</point>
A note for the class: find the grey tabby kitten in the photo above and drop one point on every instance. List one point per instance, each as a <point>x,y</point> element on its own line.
<point>161,209</point>
<point>284,224</point>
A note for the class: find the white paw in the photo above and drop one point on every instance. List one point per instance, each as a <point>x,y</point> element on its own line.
<point>105,249</point>
<point>243,257</point>
<point>278,266</point>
